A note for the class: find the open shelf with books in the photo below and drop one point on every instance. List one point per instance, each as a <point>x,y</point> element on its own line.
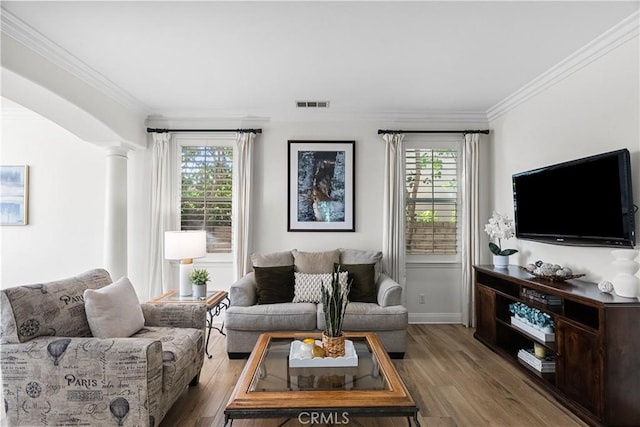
<point>590,365</point>
<point>543,365</point>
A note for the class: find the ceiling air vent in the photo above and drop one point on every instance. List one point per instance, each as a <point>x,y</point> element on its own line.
<point>312,104</point>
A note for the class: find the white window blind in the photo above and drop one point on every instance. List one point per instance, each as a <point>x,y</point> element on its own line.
<point>431,201</point>
<point>205,194</point>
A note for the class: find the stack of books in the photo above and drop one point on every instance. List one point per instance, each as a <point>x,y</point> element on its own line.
<point>546,365</point>
<point>540,297</point>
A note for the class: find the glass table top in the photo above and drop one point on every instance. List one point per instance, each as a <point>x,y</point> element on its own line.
<point>273,373</point>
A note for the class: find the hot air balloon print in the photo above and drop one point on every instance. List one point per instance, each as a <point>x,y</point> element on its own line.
<point>57,348</point>
<point>119,408</point>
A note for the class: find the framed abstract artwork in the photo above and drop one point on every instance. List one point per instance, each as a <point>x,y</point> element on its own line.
<point>321,186</point>
<point>14,195</point>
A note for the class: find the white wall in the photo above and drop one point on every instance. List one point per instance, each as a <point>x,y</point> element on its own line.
<point>592,111</point>
<point>66,202</point>
<point>440,283</point>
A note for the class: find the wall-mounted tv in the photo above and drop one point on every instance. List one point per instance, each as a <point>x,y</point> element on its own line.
<point>584,202</point>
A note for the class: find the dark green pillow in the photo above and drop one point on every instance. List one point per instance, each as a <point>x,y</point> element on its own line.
<point>363,287</point>
<point>275,284</point>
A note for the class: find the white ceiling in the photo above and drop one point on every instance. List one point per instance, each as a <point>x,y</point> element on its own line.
<point>235,58</point>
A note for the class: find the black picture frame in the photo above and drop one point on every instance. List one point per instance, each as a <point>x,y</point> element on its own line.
<point>321,186</point>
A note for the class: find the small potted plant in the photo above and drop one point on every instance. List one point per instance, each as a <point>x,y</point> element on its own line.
<point>500,227</point>
<point>199,278</point>
<point>334,303</point>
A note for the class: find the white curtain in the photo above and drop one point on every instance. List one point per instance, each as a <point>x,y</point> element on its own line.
<point>241,216</point>
<point>470,224</point>
<point>393,220</point>
<point>159,269</point>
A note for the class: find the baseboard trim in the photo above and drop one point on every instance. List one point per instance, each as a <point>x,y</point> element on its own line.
<point>421,318</point>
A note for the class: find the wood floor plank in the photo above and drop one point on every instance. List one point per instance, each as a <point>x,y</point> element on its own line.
<point>454,379</point>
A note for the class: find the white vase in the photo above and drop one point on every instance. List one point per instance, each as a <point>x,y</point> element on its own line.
<point>500,261</point>
<point>625,282</point>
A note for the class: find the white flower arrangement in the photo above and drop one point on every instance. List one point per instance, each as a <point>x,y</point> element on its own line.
<point>500,227</point>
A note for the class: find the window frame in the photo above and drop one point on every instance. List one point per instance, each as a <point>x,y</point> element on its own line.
<point>435,142</point>
<point>222,139</point>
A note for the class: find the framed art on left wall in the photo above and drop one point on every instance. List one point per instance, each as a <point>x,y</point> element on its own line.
<point>321,186</point>
<point>14,195</point>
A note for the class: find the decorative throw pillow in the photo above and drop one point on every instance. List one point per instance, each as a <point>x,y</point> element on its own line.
<point>359,256</point>
<point>113,311</point>
<point>363,288</point>
<point>53,308</point>
<point>275,284</point>
<point>315,262</point>
<point>308,286</point>
<point>272,259</point>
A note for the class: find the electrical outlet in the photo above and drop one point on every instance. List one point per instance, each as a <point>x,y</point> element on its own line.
<point>421,299</point>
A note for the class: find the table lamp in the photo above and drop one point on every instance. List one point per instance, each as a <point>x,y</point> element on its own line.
<point>184,246</point>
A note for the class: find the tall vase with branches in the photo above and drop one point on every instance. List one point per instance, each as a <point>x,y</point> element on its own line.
<point>334,303</point>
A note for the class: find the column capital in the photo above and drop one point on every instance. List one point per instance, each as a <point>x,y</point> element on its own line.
<point>117,151</point>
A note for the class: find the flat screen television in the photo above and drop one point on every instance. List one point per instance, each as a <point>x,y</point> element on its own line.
<point>583,202</point>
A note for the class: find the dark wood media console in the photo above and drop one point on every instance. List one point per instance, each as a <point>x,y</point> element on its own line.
<point>596,346</point>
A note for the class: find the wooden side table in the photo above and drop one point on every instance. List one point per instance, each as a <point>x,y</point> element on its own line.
<point>214,302</point>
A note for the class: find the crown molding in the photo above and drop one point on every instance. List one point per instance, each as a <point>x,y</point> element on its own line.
<point>411,116</point>
<point>621,33</point>
<point>195,117</point>
<point>14,27</point>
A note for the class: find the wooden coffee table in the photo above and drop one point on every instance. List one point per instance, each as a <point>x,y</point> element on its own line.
<point>269,388</point>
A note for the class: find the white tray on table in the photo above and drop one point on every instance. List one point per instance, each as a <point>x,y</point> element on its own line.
<point>349,359</point>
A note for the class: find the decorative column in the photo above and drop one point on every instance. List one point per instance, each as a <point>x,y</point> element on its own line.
<point>115,218</point>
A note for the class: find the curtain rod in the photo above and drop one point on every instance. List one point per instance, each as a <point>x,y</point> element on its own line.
<point>152,130</point>
<point>381,131</point>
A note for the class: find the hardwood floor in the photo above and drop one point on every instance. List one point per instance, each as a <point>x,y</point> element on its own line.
<point>454,379</point>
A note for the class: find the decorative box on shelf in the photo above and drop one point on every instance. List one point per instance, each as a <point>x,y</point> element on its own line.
<point>296,360</point>
<point>531,330</point>
<point>540,297</point>
<point>545,365</point>
<point>533,321</point>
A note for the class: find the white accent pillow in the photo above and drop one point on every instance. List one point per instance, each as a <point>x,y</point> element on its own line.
<point>113,311</point>
<point>308,286</point>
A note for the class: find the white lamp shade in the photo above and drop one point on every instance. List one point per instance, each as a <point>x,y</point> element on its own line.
<point>185,244</point>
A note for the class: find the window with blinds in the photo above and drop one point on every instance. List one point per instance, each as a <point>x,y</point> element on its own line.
<point>431,201</point>
<point>205,194</point>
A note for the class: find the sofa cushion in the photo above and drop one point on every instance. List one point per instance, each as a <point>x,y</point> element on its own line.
<point>272,317</point>
<point>273,259</point>
<point>363,285</point>
<point>113,311</point>
<point>274,284</point>
<point>315,262</point>
<point>359,256</point>
<point>364,316</point>
<point>182,349</point>
<point>308,286</point>
<point>53,308</point>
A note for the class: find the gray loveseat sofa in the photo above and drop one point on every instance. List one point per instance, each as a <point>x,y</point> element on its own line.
<point>376,309</point>
<point>55,373</point>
